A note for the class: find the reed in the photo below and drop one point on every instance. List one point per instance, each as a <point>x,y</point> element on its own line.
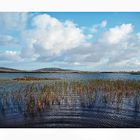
<point>34,78</point>
<point>34,95</point>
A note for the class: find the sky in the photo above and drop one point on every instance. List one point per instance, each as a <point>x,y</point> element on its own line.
<point>102,41</point>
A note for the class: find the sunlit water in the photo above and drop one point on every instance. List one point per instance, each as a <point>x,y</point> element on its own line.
<point>71,109</point>
<point>76,76</point>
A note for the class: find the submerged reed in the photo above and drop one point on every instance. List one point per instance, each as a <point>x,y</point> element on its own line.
<point>35,96</point>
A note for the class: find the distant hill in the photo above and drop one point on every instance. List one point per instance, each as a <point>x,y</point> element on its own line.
<point>3,69</point>
<point>59,70</point>
<point>52,70</point>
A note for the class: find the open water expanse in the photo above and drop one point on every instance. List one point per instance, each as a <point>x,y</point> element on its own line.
<point>120,76</point>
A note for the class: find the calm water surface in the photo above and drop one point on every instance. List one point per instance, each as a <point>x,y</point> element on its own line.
<point>74,75</point>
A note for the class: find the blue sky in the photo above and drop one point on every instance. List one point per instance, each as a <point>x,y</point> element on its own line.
<point>93,41</point>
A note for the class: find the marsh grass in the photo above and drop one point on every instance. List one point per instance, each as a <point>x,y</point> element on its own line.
<point>31,96</point>
<point>34,78</point>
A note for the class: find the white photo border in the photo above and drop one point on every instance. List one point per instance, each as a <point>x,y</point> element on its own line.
<point>69,6</point>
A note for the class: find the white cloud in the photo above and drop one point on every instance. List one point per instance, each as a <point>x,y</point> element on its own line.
<point>99,26</point>
<point>94,29</point>
<point>46,21</point>
<point>108,52</point>
<point>49,36</point>
<point>10,56</point>
<point>117,34</point>
<point>59,42</point>
<point>103,24</point>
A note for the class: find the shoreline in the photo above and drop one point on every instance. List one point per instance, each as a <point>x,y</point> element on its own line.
<point>69,72</point>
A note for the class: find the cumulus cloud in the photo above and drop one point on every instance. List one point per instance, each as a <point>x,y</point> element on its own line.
<point>117,48</point>
<point>117,34</point>
<point>50,36</point>
<point>51,40</point>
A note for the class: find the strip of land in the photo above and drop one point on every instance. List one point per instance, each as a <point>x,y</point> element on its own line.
<point>59,70</point>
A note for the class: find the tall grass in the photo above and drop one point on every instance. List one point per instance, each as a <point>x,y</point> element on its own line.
<point>33,97</point>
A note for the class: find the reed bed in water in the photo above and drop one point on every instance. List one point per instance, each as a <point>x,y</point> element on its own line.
<point>32,97</point>
<point>34,78</point>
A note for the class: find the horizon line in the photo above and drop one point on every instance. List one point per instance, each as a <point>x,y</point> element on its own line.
<point>28,70</point>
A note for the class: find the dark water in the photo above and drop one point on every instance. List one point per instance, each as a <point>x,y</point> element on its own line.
<point>74,75</point>
<point>22,103</point>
